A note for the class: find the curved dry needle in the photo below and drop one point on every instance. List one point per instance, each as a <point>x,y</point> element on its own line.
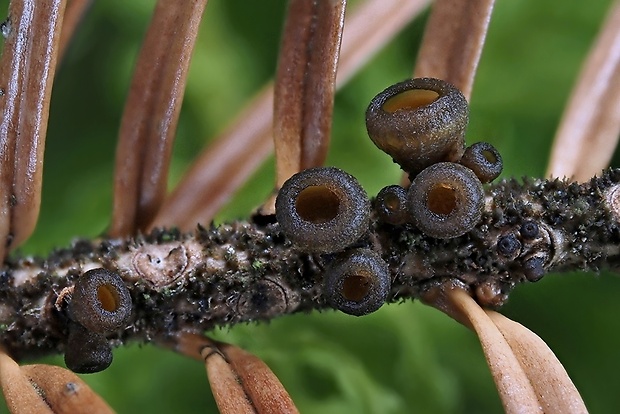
<point>27,70</point>
<point>512,382</point>
<point>45,389</point>
<point>452,45</point>
<point>74,12</point>
<point>453,42</point>
<point>590,126</point>
<point>240,381</point>
<point>304,88</point>
<point>20,396</point>
<point>151,113</point>
<point>305,85</point>
<point>222,168</point>
<point>228,393</point>
<point>63,391</point>
<point>554,388</point>
<point>234,156</point>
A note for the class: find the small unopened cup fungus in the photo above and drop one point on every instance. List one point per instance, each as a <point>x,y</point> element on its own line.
<point>484,160</point>
<point>87,352</point>
<point>529,230</point>
<point>391,205</point>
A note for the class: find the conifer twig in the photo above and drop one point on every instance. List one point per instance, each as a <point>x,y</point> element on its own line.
<point>197,281</point>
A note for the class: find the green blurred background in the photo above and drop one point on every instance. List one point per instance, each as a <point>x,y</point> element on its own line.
<point>404,358</point>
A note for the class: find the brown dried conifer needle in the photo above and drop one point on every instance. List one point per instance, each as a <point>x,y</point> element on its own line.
<point>453,42</point>
<point>233,157</point>
<point>241,382</point>
<point>20,395</point>
<point>74,12</point>
<point>305,85</point>
<point>151,113</point>
<point>63,391</point>
<point>27,70</point>
<point>590,126</point>
<point>554,388</point>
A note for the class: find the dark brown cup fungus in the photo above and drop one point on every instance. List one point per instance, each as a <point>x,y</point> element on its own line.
<point>533,269</point>
<point>419,122</point>
<point>529,230</point>
<point>446,200</point>
<point>391,205</point>
<point>509,246</point>
<point>484,160</point>
<point>322,210</point>
<point>100,302</point>
<point>359,284</point>
<point>87,352</point>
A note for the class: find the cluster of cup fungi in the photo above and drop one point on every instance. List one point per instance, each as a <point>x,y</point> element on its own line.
<point>421,124</point>
<point>325,211</point>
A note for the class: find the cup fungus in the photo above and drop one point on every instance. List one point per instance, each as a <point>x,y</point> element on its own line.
<point>484,160</point>
<point>359,283</point>
<point>419,122</point>
<point>446,200</point>
<point>509,246</point>
<point>391,205</point>
<point>87,352</point>
<point>100,302</point>
<point>322,210</point>
<point>533,268</point>
<point>529,230</point>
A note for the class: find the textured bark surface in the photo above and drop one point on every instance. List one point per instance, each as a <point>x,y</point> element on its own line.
<point>244,272</point>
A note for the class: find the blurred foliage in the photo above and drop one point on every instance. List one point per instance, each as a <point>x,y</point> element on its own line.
<point>403,358</point>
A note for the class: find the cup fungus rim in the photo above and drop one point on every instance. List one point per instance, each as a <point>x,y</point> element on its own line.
<point>349,224</point>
